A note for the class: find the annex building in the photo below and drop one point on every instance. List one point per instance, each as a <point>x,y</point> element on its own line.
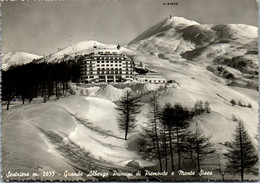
<point>150,78</point>
<point>106,66</point>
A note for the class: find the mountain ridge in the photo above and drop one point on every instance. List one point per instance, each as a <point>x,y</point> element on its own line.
<point>233,46</point>
<point>17,58</point>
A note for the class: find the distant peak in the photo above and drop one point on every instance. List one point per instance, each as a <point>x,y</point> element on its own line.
<point>179,20</point>
<point>166,24</point>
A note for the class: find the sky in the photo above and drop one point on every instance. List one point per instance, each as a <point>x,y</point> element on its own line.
<point>43,26</point>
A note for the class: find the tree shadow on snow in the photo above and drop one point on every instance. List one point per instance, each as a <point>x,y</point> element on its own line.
<point>74,155</point>
<point>100,131</point>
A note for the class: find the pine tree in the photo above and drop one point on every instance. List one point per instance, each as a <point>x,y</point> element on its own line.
<point>242,156</point>
<point>198,107</point>
<point>153,126</point>
<point>168,120</point>
<point>233,102</point>
<point>207,107</point>
<point>180,124</point>
<point>201,145</point>
<point>8,87</point>
<point>249,105</point>
<point>128,107</point>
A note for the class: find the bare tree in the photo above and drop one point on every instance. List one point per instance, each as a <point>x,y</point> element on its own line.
<point>168,120</point>
<point>128,107</point>
<point>201,145</point>
<point>151,135</point>
<point>222,169</point>
<point>155,122</point>
<point>180,124</point>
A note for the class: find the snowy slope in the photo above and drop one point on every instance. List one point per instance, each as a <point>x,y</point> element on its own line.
<point>110,92</point>
<point>162,26</point>
<point>197,83</point>
<point>84,126</point>
<point>17,58</point>
<point>177,40</point>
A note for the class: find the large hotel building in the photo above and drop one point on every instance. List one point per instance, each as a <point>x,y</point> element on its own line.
<point>106,65</point>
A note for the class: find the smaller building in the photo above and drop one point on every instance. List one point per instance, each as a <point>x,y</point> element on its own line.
<point>150,78</point>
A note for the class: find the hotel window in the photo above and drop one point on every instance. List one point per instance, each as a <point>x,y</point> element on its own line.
<point>107,65</point>
<point>102,61</point>
<point>98,61</point>
<point>111,64</point>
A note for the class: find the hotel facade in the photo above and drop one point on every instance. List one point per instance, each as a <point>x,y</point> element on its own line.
<point>106,66</point>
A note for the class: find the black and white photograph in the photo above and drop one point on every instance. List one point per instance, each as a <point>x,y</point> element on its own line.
<point>129,90</point>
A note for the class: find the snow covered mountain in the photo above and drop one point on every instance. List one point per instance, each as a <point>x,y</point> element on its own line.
<point>17,58</point>
<point>80,48</point>
<point>62,54</point>
<point>178,35</point>
<point>233,47</point>
<point>198,58</point>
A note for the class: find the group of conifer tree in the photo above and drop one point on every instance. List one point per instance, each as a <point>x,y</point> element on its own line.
<point>166,130</point>
<point>172,136</point>
<point>25,82</point>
